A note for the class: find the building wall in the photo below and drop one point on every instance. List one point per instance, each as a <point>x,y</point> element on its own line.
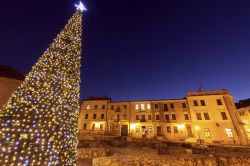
<point>174,120</point>
<point>7,87</point>
<point>244,118</point>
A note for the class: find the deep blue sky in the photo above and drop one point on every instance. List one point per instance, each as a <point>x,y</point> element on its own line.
<point>139,49</point>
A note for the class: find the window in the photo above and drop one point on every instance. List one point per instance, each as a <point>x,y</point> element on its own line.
<point>101,126</point>
<point>168,129</point>
<point>150,129</point>
<point>248,134</point>
<point>96,106</point>
<point>203,103</point>
<point>206,116</point>
<point>103,107</point>
<point>207,133</point>
<point>224,115</point>
<point>93,126</point>
<point>149,117</point>
<point>198,115</point>
<point>175,129</point>
<point>173,117</point>
<point>85,126</point>
<point>94,116</point>
<point>118,117</point>
<point>102,116</point>
<point>143,117</point>
<point>148,106</point>
<point>112,107</point>
<point>137,117</point>
<point>137,106</point>
<point>219,102</point>
<point>165,107</point>
<point>125,107</point>
<point>157,117</point>
<point>186,116</point>
<point>88,107</point>
<point>137,129</point>
<point>229,133</point>
<point>86,116</point>
<point>184,105</point>
<point>156,106</point>
<point>166,116</point>
<point>171,105</point>
<point>143,106</point>
<point>195,103</point>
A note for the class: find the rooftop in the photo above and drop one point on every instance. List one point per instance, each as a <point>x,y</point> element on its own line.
<point>10,72</point>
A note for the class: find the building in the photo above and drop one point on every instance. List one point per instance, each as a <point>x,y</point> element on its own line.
<point>243,112</point>
<point>209,117</point>
<point>10,79</point>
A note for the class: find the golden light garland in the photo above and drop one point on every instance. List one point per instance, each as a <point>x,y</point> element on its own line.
<point>38,125</point>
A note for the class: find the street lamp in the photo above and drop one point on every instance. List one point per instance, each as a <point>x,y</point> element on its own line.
<point>197,128</point>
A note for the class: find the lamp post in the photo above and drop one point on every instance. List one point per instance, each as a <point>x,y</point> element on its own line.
<point>197,128</point>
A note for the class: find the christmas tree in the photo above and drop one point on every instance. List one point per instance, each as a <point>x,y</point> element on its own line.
<point>38,125</point>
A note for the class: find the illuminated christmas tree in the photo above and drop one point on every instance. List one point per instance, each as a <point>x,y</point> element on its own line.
<point>38,125</point>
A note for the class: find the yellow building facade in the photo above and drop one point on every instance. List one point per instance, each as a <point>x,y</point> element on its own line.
<point>206,117</point>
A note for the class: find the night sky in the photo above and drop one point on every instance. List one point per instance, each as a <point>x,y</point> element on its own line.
<point>139,49</point>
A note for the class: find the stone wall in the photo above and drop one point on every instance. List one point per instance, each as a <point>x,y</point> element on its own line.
<point>93,152</point>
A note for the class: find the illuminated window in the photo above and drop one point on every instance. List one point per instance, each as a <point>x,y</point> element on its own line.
<point>198,115</point>
<point>86,116</point>
<point>101,126</point>
<point>195,103</point>
<point>148,106</point>
<point>202,103</point>
<point>229,133</point>
<point>186,116</point>
<point>207,133</point>
<point>150,129</point>
<point>143,106</point>
<point>248,134</point>
<point>173,117</point>
<point>137,129</point>
<point>224,115</point>
<point>219,102</point>
<point>88,107</point>
<point>175,129</point>
<point>168,129</point>
<point>206,116</point>
<point>137,106</point>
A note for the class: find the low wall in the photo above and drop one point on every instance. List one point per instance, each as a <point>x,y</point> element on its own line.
<point>93,152</point>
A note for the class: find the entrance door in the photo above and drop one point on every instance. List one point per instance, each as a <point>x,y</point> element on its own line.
<point>124,130</point>
<point>189,130</point>
<point>159,131</point>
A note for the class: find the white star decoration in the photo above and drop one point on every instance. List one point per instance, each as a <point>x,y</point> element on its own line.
<point>80,7</point>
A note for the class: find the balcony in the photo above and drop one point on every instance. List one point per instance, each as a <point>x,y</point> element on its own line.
<point>143,120</point>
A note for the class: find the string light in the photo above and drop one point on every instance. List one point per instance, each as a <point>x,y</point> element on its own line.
<point>38,125</point>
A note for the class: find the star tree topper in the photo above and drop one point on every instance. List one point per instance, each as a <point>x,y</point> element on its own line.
<point>81,7</point>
